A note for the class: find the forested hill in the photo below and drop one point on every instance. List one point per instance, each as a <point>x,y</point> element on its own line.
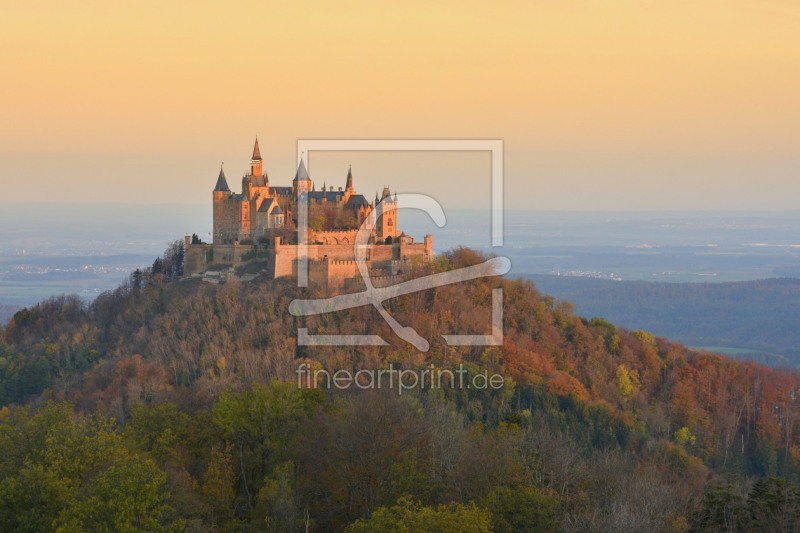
<point>174,405</point>
<point>758,319</point>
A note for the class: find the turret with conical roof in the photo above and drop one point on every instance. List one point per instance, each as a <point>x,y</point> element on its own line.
<point>301,182</point>
<point>221,195</point>
<point>222,183</point>
<point>302,173</point>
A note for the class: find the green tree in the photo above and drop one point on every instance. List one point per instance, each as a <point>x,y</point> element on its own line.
<point>276,504</point>
<point>126,497</point>
<point>722,509</point>
<point>30,500</point>
<point>219,486</point>
<point>773,505</point>
<point>259,423</point>
<point>522,509</point>
<point>409,516</point>
<point>627,381</point>
<point>684,436</point>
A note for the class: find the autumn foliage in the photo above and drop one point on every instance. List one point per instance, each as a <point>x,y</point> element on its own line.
<point>191,390</point>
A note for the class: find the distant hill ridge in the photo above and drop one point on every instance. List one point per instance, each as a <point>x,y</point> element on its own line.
<point>760,318</point>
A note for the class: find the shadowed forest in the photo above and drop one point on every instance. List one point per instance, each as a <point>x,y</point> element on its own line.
<point>173,405</point>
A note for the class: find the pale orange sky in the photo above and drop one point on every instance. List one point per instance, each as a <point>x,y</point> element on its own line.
<point>602,105</point>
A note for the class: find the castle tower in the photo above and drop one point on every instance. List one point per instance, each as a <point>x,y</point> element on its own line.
<point>220,194</point>
<point>387,216</point>
<point>247,180</point>
<point>256,167</point>
<point>301,183</point>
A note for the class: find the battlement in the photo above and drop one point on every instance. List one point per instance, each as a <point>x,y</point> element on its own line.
<point>335,262</point>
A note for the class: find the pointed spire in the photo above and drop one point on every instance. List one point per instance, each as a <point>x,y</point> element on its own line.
<point>349,185</point>
<point>222,183</point>
<point>256,152</point>
<point>302,173</point>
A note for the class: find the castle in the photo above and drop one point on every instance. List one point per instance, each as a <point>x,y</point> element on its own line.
<point>261,224</point>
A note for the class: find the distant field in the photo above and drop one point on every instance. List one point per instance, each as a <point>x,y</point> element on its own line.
<point>84,249</point>
<point>744,353</point>
<point>724,350</point>
<point>27,280</point>
<point>660,247</point>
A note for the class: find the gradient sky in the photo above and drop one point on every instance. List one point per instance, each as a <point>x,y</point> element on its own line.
<point>602,105</point>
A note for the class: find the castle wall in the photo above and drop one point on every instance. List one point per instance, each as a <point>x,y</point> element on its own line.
<point>330,275</point>
<point>386,281</point>
<point>195,258</point>
<point>334,237</point>
<point>339,271</point>
<point>341,252</point>
<point>226,219</point>
<point>283,260</point>
<point>421,250</point>
<point>244,217</point>
<point>200,256</point>
<point>384,252</point>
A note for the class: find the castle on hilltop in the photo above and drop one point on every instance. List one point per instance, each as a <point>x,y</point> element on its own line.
<point>261,224</point>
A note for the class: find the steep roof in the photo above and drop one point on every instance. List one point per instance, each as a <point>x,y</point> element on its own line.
<point>256,152</point>
<point>222,183</point>
<point>357,200</point>
<point>349,184</point>
<point>282,191</point>
<point>265,205</point>
<point>302,173</point>
<point>331,196</point>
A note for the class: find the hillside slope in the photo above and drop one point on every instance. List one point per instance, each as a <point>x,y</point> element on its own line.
<point>192,390</point>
